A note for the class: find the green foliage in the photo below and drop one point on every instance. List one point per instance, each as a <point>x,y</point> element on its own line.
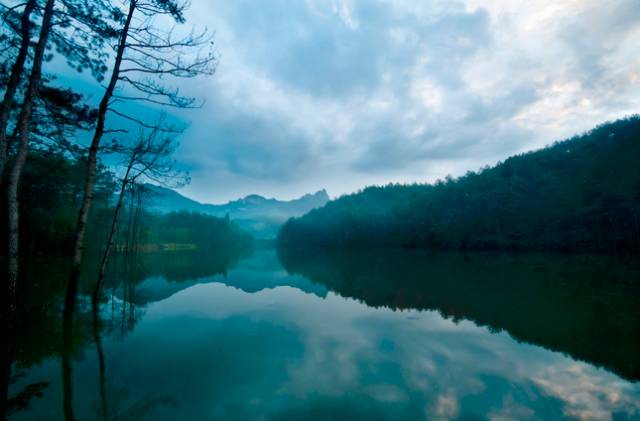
<point>582,194</point>
<point>49,200</point>
<point>49,204</point>
<point>204,231</point>
<point>171,8</point>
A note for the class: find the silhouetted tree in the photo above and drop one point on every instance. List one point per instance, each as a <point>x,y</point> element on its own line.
<point>148,158</point>
<point>149,51</point>
<point>78,29</point>
<point>45,111</point>
<point>23,135</point>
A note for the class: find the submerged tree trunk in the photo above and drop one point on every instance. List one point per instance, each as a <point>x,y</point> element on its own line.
<point>85,206</point>
<point>5,370</point>
<point>101,363</point>
<point>14,80</point>
<point>66,363</point>
<point>16,171</point>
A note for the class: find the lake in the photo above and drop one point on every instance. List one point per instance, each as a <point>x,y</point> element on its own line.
<point>309,334</point>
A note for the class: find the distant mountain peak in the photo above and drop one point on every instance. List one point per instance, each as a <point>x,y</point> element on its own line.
<point>257,214</point>
<point>321,193</point>
<point>254,198</point>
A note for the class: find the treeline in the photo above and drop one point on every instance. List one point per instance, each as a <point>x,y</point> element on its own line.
<point>581,194</point>
<point>192,228</point>
<point>50,198</point>
<point>50,201</point>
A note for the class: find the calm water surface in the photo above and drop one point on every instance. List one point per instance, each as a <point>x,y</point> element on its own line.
<point>336,335</point>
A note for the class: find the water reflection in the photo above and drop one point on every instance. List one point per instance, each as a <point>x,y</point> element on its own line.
<point>97,337</point>
<point>586,306</point>
<point>67,370</point>
<point>188,336</point>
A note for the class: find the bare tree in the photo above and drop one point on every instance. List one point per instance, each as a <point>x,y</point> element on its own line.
<point>148,51</point>
<point>149,158</point>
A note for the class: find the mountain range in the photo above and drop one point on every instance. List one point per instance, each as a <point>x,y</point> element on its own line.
<point>260,216</point>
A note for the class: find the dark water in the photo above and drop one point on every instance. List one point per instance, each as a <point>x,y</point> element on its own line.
<point>339,335</point>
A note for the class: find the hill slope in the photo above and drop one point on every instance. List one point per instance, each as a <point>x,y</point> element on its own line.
<point>582,194</point>
<point>260,216</point>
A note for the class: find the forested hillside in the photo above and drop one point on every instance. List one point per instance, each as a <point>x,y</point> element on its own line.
<point>581,194</point>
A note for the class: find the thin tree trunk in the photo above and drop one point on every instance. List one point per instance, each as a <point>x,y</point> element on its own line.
<point>83,215</point>
<point>16,171</point>
<point>636,230</point>
<point>67,368</point>
<point>112,233</point>
<point>136,221</point>
<point>125,291</point>
<point>130,225</point>
<point>14,80</point>
<point>101,360</point>
<point>5,370</point>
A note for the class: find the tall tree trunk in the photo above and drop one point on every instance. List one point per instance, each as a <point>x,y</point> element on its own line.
<point>110,238</point>
<point>83,215</point>
<point>14,80</point>
<point>23,130</point>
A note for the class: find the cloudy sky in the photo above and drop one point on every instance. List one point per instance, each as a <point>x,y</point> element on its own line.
<point>340,94</point>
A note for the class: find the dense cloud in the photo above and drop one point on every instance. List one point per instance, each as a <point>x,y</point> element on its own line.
<point>345,93</point>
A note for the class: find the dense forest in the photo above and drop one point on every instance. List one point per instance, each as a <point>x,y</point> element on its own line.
<point>49,195</point>
<point>49,201</point>
<point>202,232</point>
<point>581,194</point>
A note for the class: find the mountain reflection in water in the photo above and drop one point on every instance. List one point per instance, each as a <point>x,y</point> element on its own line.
<point>335,334</point>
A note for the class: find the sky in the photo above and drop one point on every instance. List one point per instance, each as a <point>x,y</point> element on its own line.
<point>341,94</point>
